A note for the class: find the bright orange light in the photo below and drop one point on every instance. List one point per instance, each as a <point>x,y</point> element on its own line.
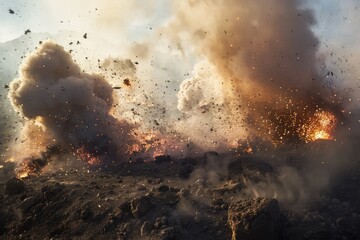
<point>153,144</point>
<point>87,157</point>
<point>320,126</point>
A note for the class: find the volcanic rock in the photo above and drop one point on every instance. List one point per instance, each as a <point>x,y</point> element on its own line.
<point>140,206</point>
<point>146,228</point>
<point>14,186</point>
<point>254,219</point>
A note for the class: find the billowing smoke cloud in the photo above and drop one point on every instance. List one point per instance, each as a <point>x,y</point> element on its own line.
<point>71,106</point>
<point>266,58</point>
<point>206,120</point>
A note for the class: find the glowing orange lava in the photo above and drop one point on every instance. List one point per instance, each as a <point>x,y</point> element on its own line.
<point>320,126</point>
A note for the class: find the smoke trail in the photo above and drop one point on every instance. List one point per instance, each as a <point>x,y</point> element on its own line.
<point>71,106</point>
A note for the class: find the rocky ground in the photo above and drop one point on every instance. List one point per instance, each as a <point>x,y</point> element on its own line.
<point>191,198</point>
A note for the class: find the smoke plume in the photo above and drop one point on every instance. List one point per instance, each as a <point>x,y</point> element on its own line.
<point>72,107</point>
<point>265,55</point>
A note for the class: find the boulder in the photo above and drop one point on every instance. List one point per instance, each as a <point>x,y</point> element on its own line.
<point>146,228</point>
<point>255,219</point>
<point>140,206</point>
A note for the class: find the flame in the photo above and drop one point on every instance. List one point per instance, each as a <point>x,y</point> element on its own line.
<point>320,126</point>
<point>86,156</point>
<point>30,166</point>
<point>153,144</point>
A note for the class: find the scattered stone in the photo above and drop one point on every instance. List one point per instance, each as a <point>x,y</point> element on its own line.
<point>140,206</point>
<point>160,222</point>
<point>218,204</point>
<point>14,186</point>
<point>255,219</point>
<point>146,228</point>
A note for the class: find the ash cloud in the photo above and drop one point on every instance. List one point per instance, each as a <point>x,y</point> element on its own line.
<point>266,56</point>
<point>70,106</point>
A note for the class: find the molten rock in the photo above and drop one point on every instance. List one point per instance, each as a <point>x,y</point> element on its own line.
<point>254,219</point>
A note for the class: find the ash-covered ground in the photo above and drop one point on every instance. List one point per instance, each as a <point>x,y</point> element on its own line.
<point>217,196</point>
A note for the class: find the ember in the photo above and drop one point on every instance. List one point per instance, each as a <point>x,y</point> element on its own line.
<point>320,126</point>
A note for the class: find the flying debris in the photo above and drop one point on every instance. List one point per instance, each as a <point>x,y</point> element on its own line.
<point>226,121</point>
<point>27,31</point>
<point>11,11</point>
<point>127,82</point>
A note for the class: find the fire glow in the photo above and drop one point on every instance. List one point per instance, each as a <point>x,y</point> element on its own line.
<point>320,126</point>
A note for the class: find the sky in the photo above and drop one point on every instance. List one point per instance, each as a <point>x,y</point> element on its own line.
<point>134,17</point>
<point>137,16</point>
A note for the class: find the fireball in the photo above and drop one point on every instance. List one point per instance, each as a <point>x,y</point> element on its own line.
<point>320,126</point>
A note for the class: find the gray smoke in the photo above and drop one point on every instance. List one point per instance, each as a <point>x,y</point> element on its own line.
<point>71,106</point>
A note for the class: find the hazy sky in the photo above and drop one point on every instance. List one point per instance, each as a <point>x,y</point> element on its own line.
<point>106,18</point>
<point>131,20</point>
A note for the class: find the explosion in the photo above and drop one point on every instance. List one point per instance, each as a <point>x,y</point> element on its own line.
<point>250,89</point>
<point>179,119</point>
<point>321,126</point>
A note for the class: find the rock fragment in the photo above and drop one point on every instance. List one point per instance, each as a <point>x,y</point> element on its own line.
<point>140,206</point>
<point>146,228</point>
<point>255,219</point>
